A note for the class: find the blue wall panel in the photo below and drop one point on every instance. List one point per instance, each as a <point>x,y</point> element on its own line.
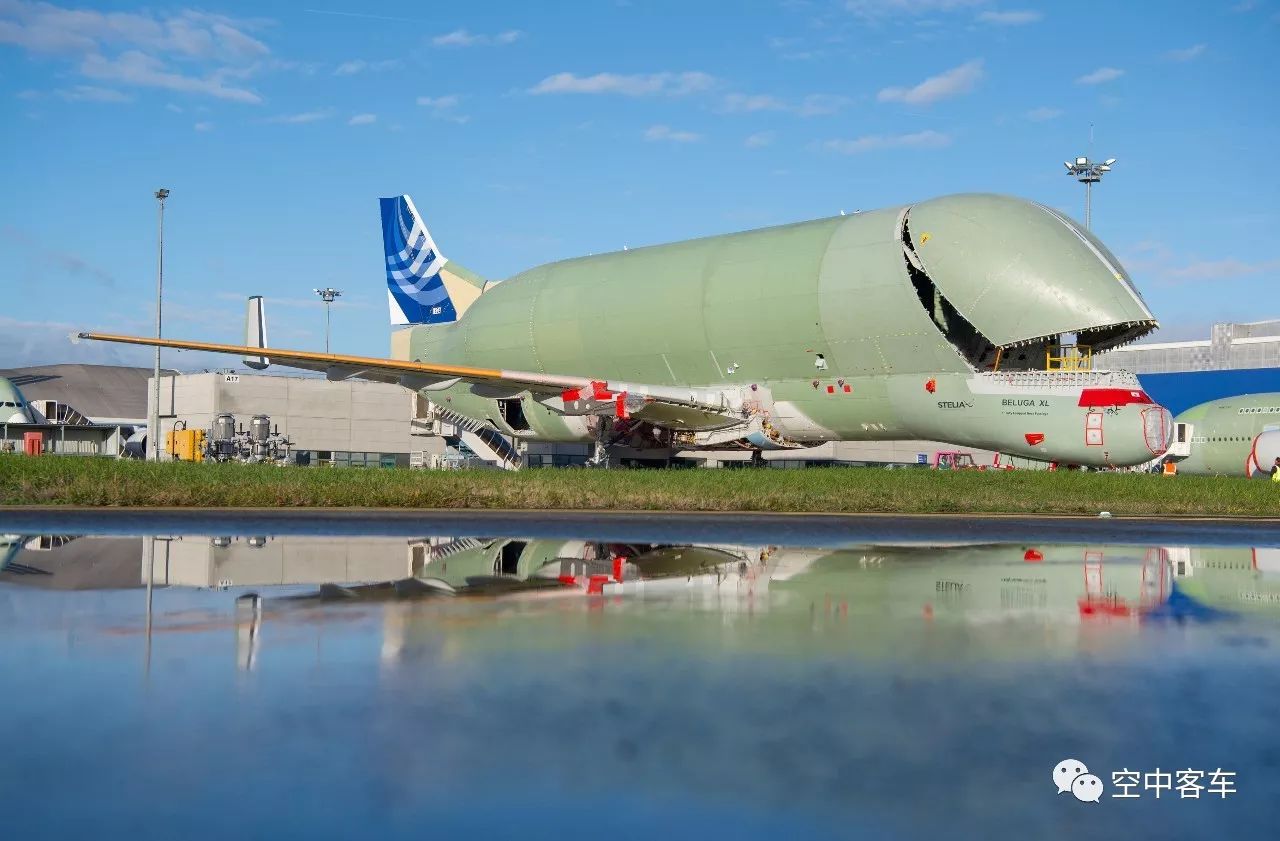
<point>1180,391</point>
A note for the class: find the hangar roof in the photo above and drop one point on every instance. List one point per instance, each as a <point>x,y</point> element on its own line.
<point>96,391</point>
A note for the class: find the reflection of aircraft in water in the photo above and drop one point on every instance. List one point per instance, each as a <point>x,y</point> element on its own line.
<point>985,577</point>
<point>1234,579</point>
<point>799,600</point>
<point>967,582</point>
<point>971,582</point>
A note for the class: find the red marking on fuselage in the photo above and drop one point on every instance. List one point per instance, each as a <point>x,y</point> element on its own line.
<point>1113,397</point>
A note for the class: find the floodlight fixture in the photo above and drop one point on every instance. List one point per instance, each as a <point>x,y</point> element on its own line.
<point>327,295</point>
<point>1089,173</point>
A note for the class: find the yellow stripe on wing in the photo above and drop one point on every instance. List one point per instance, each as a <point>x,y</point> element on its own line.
<point>284,356</point>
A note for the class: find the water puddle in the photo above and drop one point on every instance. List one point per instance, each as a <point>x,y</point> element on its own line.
<point>335,684</point>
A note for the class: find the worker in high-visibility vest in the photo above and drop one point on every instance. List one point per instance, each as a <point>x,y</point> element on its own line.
<point>1275,470</point>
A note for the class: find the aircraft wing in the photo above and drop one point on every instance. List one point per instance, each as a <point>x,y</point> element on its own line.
<point>669,406</point>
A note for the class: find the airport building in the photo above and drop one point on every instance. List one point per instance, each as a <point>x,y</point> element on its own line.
<point>349,423</point>
<point>1235,359</point>
<point>76,409</point>
<point>196,561</point>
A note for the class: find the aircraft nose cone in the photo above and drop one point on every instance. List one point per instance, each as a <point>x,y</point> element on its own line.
<point>1157,429</point>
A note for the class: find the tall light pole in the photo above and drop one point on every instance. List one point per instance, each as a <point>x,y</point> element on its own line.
<point>154,431</point>
<point>1088,173</point>
<point>327,295</point>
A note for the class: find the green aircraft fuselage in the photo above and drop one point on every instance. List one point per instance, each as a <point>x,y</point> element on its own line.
<point>931,321</point>
<point>1234,436</point>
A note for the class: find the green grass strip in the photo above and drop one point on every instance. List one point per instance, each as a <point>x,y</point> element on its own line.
<point>51,480</point>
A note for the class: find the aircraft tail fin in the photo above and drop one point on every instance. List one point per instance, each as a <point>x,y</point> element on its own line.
<point>255,331</point>
<point>423,286</point>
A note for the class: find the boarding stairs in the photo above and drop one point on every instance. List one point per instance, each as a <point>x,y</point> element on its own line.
<point>476,438</point>
<point>61,413</point>
<point>453,547</point>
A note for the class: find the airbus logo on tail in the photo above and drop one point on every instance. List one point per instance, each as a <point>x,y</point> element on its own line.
<point>416,293</point>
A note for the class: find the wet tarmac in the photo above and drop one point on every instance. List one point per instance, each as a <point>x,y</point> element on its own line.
<point>181,675</point>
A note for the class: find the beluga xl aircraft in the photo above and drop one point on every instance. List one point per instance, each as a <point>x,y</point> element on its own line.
<point>943,320</point>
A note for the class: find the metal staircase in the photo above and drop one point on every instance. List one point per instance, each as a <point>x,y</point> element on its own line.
<point>453,547</point>
<point>479,439</point>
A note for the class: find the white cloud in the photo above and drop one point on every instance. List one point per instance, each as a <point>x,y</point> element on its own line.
<point>177,109</point>
<point>136,48</point>
<point>203,126</point>
<point>24,343</point>
<point>1102,74</point>
<point>919,140</point>
<point>463,38</point>
<point>813,105</point>
<point>438,101</point>
<point>1224,269</point>
<point>142,70</point>
<point>1010,18</point>
<point>443,107</point>
<point>661,133</point>
<point>304,117</point>
<point>46,28</point>
<point>760,139</point>
<point>792,49</point>
<point>1044,112</point>
<point>878,9</point>
<point>69,261</point>
<point>359,65</point>
<point>820,104</point>
<point>1157,260</point>
<point>954,82</point>
<point>363,120</point>
<point>636,84</point>
<point>89,93</point>
<point>741,103</point>
<point>1188,54</point>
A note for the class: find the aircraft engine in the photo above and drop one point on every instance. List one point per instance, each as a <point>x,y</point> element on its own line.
<point>1265,451</point>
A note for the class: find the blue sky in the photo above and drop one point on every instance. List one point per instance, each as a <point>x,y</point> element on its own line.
<point>533,132</point>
